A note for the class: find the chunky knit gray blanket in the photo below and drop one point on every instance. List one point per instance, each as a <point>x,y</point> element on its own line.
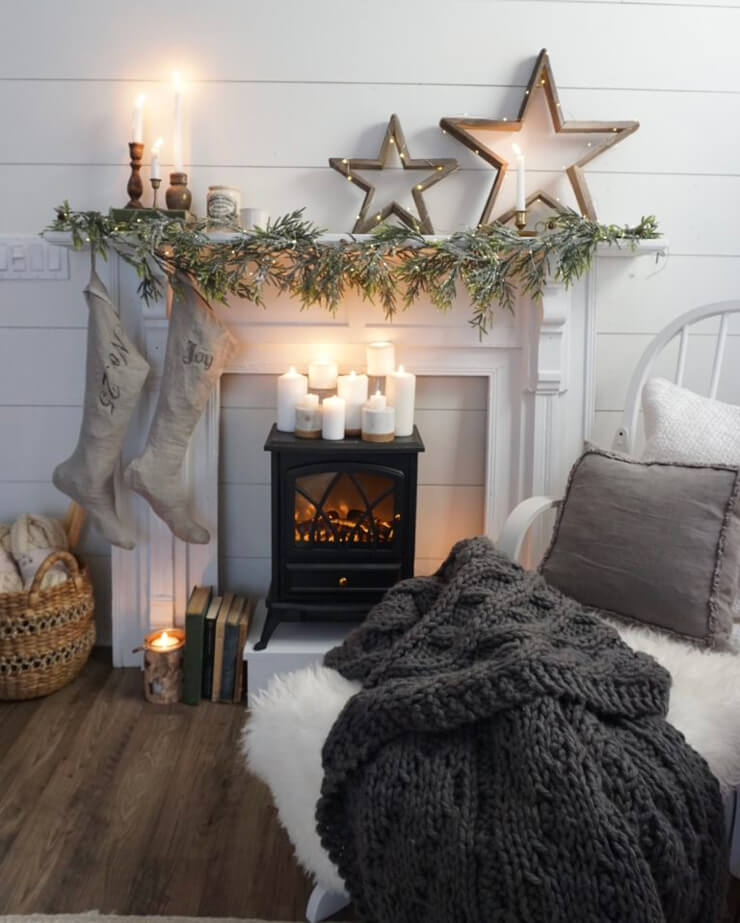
<point>508,761</point>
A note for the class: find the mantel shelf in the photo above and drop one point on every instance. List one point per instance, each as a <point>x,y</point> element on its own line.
<point>658,246</point>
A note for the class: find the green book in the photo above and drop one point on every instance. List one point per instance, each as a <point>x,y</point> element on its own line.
<point>231,640</point>
<point>209,646</point>
<point>195,617</point>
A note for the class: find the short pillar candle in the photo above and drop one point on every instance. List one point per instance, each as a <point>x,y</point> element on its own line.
<point>332,418</point>
<point>322,375</point>
<point>400,389</point>
<point>378,420</point>
<point>381,359</point>
<point>163,662</point>
<point>353,389</point>
<point>308,417</point>
<point>292,387</point>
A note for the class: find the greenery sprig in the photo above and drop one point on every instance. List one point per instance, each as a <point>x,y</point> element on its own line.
<point>392,267</point>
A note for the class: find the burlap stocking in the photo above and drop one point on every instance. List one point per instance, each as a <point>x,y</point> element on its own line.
<point>115,375</point>
<point>198,348</point>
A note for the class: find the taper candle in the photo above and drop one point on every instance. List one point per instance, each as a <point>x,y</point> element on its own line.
<point>292,386</point>
<point>332,418</point>
<point>155,172</point>
<point>137,123</point>
<point>400,389</point>
<point>177,85</point>
<point>521,193</point>
<point>353,389</point>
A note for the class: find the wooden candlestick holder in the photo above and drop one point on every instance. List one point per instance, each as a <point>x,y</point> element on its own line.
<point>135,187</point>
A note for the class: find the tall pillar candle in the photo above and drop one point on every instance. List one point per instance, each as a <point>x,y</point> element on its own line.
<point>352,389</point>
<point>400,389</point>
<point>322,375</point>
<point>292,387</point>
<point>332,418</point>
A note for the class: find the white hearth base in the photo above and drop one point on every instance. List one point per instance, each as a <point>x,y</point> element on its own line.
<point>293,645</point>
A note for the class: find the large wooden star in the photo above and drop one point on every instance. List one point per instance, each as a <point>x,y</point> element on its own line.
<point>469,130</point>
<point>370,217</point>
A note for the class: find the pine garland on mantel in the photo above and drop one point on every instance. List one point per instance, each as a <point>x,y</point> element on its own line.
<point>394,266</point>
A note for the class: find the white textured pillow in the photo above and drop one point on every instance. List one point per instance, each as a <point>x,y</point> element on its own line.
<point>684,427</point>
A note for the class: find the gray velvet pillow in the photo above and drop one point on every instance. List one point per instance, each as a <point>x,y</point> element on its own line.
<point>650,542</point>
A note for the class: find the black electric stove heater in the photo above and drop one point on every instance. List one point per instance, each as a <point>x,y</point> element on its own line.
<point>343,525</point>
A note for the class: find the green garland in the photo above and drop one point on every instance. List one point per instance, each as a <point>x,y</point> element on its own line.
<point>394,266</point>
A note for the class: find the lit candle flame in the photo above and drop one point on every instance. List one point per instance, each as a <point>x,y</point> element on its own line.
<point>157,145</point>
<point>177,81</point>
<point>400,369</point>
<point>165,641</point>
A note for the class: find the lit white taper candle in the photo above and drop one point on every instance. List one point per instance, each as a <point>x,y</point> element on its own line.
<point>155,171</point>
<point>177,86</point>
<point>137,122</point>
<point>521,190</point>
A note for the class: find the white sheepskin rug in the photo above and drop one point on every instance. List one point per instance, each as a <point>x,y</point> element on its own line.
<point>291,719</point>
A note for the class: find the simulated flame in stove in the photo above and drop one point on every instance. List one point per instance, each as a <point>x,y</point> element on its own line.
<point>344,508</point>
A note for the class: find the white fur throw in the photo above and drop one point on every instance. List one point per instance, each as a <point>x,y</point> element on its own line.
<point>291,719</point>
<point>681,426</point>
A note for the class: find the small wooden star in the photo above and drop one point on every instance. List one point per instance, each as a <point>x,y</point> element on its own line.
<point>542,78</point>
<point>370,218</point>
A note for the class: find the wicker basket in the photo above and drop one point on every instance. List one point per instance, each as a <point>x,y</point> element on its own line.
<point>46,635</point>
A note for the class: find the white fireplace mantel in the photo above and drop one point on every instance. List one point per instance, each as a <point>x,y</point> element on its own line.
<point>539,368</point>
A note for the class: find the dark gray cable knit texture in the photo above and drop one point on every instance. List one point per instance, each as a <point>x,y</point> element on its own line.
<point>508,761</point>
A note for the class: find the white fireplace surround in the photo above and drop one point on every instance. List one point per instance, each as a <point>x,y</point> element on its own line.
<point>539,368</point>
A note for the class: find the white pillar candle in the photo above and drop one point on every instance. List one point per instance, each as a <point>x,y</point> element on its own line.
<point>308,417</point>
<point>381,359</point>
<point>332,418</point>
<point>155,172</point>
<point>177,85</point>
<point>378,421</point>
<point>322,375</point>
<point>521,193</point>
<point>400,389</point>
<point>137,122</point>
<point>292,386</point>
<point>353,389</point>
<point>376,401</point>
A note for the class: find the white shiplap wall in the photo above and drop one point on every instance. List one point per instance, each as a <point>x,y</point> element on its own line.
<point>275,88</point>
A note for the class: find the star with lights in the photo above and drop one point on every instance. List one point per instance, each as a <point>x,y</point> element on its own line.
<point>370,216</point>
<point>469,131</point>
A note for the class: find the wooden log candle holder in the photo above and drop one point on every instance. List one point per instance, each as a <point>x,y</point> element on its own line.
<point>163,666</point>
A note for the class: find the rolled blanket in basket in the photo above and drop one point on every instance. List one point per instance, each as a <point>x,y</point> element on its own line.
<point>508,760</point>
<point>10,578</point>
<point>32,540</point>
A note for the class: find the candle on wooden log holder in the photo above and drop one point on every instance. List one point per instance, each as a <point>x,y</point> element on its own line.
<point>163,662</point>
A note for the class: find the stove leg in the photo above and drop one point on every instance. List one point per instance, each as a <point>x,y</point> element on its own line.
<point>271,622</point>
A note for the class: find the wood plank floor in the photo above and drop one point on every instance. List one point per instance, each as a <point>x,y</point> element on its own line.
<point>111,804</point>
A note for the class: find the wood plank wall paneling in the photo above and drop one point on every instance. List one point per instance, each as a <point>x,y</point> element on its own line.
<point>273,90</point>
<point>451,415</point>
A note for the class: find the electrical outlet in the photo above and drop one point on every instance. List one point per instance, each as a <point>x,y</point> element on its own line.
<point>32,258</point>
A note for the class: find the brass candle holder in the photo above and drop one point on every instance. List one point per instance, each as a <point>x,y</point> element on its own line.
<point>135,187</point>
<point>156,183</point>
<point>520,220</point>
<point>178,195</point>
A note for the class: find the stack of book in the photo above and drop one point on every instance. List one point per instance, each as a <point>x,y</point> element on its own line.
<point>216,629</point>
